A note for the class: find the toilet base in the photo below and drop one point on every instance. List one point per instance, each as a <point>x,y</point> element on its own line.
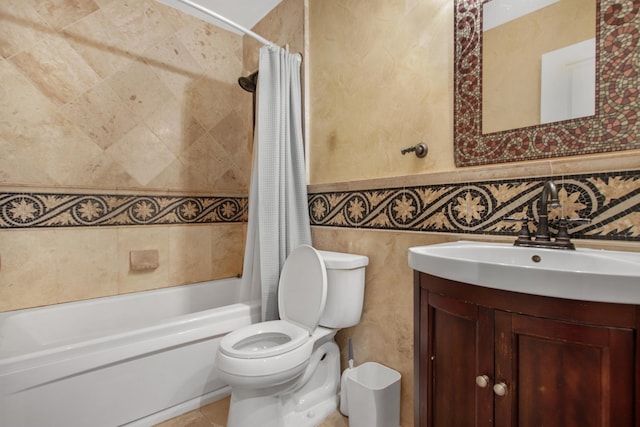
<point>313,398</point>
<point>313,416</point>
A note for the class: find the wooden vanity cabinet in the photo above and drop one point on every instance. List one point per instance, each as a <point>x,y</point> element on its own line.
<point>486,357</point>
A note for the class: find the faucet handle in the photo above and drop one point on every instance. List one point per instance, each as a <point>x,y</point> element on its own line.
<point>524,234</point>
<point>563,226</point>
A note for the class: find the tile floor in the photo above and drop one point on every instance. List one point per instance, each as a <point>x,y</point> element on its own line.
<point>215,415</point>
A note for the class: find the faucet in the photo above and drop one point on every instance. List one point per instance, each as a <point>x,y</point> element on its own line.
<point>549,190</point>
<point>548,198</point>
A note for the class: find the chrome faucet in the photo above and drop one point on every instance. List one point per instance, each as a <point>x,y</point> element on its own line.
<point>549,190</point>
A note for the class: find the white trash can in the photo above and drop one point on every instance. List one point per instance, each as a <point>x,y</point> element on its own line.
<point>373,395</point>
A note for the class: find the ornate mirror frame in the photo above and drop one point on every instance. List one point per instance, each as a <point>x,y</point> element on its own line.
<point>614,127</point>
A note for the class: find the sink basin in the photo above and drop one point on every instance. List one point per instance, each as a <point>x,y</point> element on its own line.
<point>583,274</point>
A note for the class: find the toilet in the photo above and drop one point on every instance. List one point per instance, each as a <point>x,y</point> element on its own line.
<point>286,373</point>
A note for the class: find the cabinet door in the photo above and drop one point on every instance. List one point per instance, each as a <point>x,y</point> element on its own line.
<point>562,374</point>
<point>457,348</point>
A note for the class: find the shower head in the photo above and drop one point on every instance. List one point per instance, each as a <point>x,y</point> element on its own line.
<point>249,83</point>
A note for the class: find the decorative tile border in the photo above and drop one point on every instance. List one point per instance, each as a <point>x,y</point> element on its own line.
<point>37,210</point>
<point>610,200</point>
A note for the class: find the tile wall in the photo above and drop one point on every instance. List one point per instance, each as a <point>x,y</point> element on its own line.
<point>120,95</point>
<point>122,128</point>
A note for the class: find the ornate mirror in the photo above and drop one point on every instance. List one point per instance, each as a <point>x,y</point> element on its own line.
<point>610,123</point>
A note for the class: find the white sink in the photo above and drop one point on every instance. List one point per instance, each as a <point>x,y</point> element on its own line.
<point>583,274</point>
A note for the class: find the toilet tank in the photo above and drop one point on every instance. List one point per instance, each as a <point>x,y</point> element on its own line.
<point>345,289</point>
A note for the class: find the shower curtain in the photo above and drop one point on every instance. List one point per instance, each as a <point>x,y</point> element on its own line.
<point>278,206</point>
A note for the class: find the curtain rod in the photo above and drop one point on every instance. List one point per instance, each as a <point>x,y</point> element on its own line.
<point>228,22</point>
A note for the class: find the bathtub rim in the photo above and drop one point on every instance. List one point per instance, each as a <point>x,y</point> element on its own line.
<point>21,370</point>
<point>36,369</point>
<point>70,342</point>
<point>124,296</point>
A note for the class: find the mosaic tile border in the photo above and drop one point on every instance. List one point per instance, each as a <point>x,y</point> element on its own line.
<point>615,126</point>
<point>38,210</point>
<point>610,200</point>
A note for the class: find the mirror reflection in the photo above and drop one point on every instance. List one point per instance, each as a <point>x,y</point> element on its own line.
<point>538,62</point>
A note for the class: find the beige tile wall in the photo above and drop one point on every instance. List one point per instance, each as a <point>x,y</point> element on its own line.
<point>120,95</point>
<point>41,267</point>
<point>381,75</point>
<point>127,96</point>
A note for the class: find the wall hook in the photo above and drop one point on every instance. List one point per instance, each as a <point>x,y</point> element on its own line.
<point>420,149</point>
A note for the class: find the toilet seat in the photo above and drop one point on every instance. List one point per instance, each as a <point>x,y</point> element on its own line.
<point>264,339</point>
<point>302,294</point>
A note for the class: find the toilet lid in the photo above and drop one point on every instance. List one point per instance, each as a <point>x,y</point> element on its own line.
<point>302,291</point>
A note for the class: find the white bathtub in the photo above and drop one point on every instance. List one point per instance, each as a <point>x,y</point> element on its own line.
<point>134,359</point>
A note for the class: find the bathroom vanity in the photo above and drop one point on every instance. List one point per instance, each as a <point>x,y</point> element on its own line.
<point>486,356</point>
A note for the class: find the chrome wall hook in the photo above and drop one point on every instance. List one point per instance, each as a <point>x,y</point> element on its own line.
<point>420,149</point>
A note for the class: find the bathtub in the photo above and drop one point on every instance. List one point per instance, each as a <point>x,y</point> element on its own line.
<point>135,359</point>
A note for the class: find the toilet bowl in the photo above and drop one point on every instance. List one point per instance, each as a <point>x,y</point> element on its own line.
<point>264,354</point>
<point>285,373</point>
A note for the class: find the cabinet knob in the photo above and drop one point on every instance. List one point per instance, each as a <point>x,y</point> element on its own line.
<point>500,389</point>
<point>482,381</point>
